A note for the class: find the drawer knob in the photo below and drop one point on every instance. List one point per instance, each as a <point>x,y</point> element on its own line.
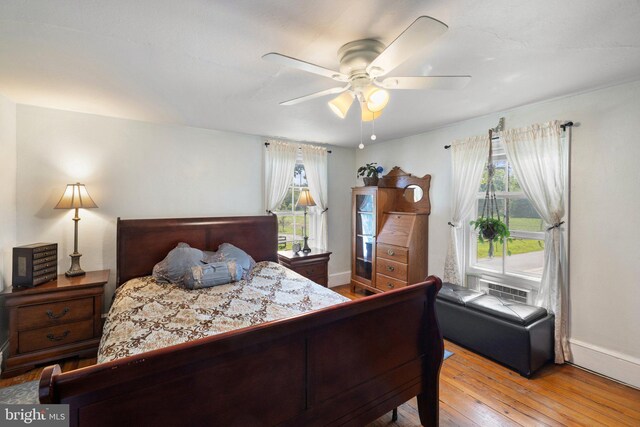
<point>390,267</point>
<point>52,337</point>
<point>52,316</point>
<point>390,252</point>
<point>390,285</point>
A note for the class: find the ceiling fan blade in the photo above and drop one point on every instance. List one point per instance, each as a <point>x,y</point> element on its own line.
<point>305,66</point>
<point>425,82</point>
<point>331,91</point>
<point>421,32</point>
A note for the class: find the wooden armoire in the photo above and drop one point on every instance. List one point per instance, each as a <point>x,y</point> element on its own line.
<point>390,232</point>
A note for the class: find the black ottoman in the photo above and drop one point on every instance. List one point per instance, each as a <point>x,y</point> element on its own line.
<point>519,336</point>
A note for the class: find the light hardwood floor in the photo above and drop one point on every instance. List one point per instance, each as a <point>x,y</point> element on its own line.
<point>475,391</point>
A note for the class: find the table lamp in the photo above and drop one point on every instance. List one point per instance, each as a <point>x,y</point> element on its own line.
<point>305,200</point>
<point>75,197</point>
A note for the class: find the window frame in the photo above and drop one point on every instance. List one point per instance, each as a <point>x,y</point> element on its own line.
<point>470,237</point>
<point>293,212</point>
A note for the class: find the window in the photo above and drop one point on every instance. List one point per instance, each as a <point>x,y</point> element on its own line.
<point>521,258</point>
<point>290,216</point>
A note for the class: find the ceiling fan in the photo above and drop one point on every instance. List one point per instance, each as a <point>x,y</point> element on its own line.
<point>364,63</point>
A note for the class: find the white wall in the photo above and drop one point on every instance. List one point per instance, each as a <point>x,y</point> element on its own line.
<point>132,170</point>
<point>8,188</point>
<point>7,203</point>
<point>135,169</point>
<point>605,218</point>
<point>342,177</point>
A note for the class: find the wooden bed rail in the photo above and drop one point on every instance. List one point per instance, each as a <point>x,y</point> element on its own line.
<point>321,368</point>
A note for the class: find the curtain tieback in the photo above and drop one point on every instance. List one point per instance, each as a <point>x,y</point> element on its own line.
<point>556,225</point>
<point>269,212</point>
<point>452,224</point>
<point>324,211</point>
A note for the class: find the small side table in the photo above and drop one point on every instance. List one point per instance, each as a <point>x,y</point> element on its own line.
<point>55,320</point>
<point>313,265</point>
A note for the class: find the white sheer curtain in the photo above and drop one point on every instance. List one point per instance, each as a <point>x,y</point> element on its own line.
<point>468,158</point>
<point>315,166</point>
<point>279,163</point>
<point>538,157</point>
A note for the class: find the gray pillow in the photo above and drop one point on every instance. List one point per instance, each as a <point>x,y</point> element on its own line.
<point>227,251</point>
<point>177,262</point>
<point>213,274</point>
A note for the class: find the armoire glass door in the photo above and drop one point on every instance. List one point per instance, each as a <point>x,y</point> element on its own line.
<point>365,235</point>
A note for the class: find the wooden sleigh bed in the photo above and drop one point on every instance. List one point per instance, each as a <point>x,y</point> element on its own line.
<point>347,364</point>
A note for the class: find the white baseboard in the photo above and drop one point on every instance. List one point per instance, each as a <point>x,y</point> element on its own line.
<point>341,278</point>
<point>619,366</point>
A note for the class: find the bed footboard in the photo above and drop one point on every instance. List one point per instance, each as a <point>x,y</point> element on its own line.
<point>342,365</point>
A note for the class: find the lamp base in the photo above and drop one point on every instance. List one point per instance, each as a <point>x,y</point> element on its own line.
<point>306,249</point>
<point>75,269</point>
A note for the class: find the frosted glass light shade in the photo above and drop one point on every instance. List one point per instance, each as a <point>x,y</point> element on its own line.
<point>368,115</point>
<point>376,98</point>
<point>76,196</point>
<point>340,104</point>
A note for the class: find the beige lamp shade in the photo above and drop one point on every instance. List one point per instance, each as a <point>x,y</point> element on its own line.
<point>76,196</point>
<point>340,104</point>
<point>368,115</point>
<point>376,98</point>
<point>305,199</point>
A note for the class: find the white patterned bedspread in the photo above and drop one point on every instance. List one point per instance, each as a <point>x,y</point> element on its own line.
<point>147,315</point>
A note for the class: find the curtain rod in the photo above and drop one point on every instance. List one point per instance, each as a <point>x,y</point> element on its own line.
<point>563,126</point>
<point>266,144</point>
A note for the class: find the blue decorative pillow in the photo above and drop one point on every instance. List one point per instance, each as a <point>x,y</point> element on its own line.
<point>213,274</point>
<point>177,262</point>
<point>210,256</point>
<point>227,251</point>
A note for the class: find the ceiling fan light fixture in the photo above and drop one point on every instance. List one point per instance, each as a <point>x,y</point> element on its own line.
<point>377,98</point>
<point>340,104</point>
<point>368,115</point>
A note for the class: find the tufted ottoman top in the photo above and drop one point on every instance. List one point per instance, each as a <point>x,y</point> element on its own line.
<point>521,314</point>
<point>457,294</point>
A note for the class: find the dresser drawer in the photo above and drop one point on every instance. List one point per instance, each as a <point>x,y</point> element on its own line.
<point>54,313</point>
<point>309,270</point>
<point>386,283</point>
<point>54,336</point>
<point>390,268</point>
<point>394,253</point>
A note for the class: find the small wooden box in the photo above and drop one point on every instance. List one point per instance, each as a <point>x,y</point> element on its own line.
<point>35,264</point>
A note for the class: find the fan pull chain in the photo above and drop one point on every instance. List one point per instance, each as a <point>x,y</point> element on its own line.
<point>361,146</point>
<point>373,126</point>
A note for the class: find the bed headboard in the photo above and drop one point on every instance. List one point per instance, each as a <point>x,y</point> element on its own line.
<point>142,243</point>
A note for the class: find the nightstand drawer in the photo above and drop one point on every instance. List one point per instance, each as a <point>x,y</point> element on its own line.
<point>55,313</point>
<point>319,269</point>
<point>394,269</point>
<point>55,336</point>
<point>320,279</point>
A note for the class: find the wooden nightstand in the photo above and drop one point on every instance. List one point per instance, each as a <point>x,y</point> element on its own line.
<point>312,265</point>
<point>58,319</point>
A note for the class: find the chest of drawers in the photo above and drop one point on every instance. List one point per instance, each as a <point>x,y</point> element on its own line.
<point>312,265</point>
<point>55,320</point>
<point>401,255</point>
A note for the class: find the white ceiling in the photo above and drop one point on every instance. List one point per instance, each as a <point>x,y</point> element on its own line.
<point>198,62</point>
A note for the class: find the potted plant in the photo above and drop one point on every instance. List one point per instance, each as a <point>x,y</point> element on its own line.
<point>369,173</point>
<point>491,230</point>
